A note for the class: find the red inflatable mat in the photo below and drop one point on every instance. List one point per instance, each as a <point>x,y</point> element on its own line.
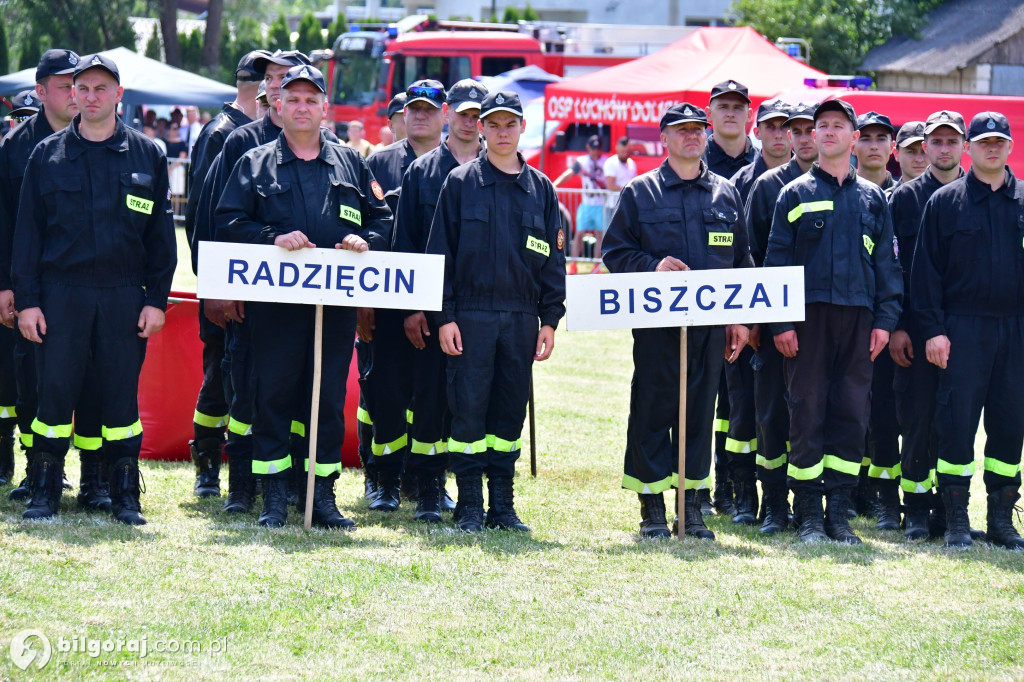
<point>170,381</point>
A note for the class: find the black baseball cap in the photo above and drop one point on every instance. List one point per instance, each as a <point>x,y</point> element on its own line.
<point>873,118</point>
<point>55,63</point>
<point>247,69</point>
<point>97,61</point>
<point>772,108</point>
<point>261,94</point>
<point>844,108</point>
<point>684,113</point>
<point>466,94</point>
<point>945,118</point>
<point>25,103</point>
<point>307,73</point>
<point>989,124</point>
<point>801,111</point>
<point>910,132</point>
<point>594,142</point>
<point>281,58</point>
<point>397,104</point>
<point>426,91</point>
<point>506,100</point>
<point>730,88</point>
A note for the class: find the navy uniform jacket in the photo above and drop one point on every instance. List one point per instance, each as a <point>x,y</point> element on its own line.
<point>721,163</point>
<point>842,235</point>
<point>416,207</point>
<point>264,197</point>
<point>759,207</point>
<point>95,215</point>
<point>388,166</point>
<point>14,152</point>
<point>502,243</point>
<point>970,254</point>
<point>698,221</point>
<point>906,204</point>
<point>208,145</point>
<point>745,177</point>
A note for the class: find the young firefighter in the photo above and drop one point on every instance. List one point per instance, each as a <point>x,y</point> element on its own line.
<point>497,224</point>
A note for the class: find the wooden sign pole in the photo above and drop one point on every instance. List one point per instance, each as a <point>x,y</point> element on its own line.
<point>533,434</point>
<point>681,490</point>
<point>314,417</point>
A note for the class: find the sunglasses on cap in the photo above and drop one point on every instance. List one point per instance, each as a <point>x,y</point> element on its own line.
<point>429,93</point>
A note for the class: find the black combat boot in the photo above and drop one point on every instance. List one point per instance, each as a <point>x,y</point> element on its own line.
<point>206,455</point>
<point>888,504</point>
<point>23,490</point>
<point>724,500</point>
<point>469,512</point>
<point>241,485</point>
<point>275,502</point>
<point>865,497</point>
<point>1001,505</point>
<point>325,507</point>
<point>837,518</point>
<point>45,484</point>
<point>369,485</point>
<point>7,455</point>
<point>955,499</point>
<point>501,512</point>
<point>126,487</point>
<point>694,526</point>
<point>653,524</point>
<point>746,500</point>
<point>410,486</point>
<point>776,509</point>
<point>428,505</point>
<point>447,503</point>
<point>93,491</point>
<point>389,491</point>
<point>915,518</point>
<point>704,497</point>
<point>807,507</point>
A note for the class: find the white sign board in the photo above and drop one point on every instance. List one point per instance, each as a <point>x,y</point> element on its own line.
<point>373,279</point>
<point>696,298</point>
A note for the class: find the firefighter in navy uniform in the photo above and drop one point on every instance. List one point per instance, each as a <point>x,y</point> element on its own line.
<point>497,224</point>
<point>211,413</point>
<point>55,95</point>
<point>877,492</point>
<point>236,333</point>
<point>910,154</point>
<point>680,216</point>
<point>968,300</point>
<point>741,443</point>
<point>915,380</point>
<point>299,192</point>
<point>728,151</point>
<point>837,226</point>
<point>770,404</point>
<point>387,380</point>
<point>421,186</point>
<point>94,254</point>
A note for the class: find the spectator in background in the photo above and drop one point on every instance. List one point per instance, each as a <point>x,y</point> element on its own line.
<point>162,124</point>
<point>150,132</point>
<point>356,140</point>
<point>150,118</point>
<point>205,118</point>
<point>177,148</point>
<point>191,130</point>
<point>176,116</point>
<point>590,213</point>
<point>619,169</point>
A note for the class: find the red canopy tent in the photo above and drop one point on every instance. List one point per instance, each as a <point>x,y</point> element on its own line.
<point>638,92</point>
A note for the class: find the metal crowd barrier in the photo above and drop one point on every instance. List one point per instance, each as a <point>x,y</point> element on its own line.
<point>178,176</point>
<point>584,248</point>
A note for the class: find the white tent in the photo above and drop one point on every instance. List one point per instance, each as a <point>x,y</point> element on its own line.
<point>145,81</point>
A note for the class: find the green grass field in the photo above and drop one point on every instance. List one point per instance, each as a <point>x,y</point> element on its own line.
<point>579,598</point>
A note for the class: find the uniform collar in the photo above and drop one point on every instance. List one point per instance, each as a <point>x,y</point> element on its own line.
<point>714,150</point>
<point>978,190</point>
<point>851,177</point>
<point>117,142</point>
<point>286,155</point>
<point>41,125</point>
<point>670,179</point>
<point>929,180</point>
<point>488,172</point>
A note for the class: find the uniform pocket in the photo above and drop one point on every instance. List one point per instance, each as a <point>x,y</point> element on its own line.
<point>661,232</point>
<point>63,197</point>
<point>719,225</point>
<point>275,205</point>
<point>346,206</point>
<point>137,197</point>
<point>475,229</point>
<point>534,241</point>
